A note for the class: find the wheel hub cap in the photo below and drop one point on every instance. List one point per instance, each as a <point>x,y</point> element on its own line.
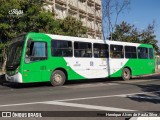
<point>126,74</point>
<point>58,78</point>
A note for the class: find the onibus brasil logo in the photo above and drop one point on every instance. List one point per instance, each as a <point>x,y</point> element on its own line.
<point>15,12</point>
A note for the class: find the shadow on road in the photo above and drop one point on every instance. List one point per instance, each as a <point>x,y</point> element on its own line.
<point>24,85</point>
<point>45,84</point>
<point>76,82</point>
<point>4,83</point>
<point>152,97</point>
<point>88,81</point>
<point>48,84</point>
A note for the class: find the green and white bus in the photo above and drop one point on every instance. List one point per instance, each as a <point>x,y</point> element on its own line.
<point>39,57</point>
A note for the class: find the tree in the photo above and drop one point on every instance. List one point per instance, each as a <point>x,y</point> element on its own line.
<point>149,37</point>
<point>129,33</point>
<point>73,27</point>
<point>13,23</point>
<point>4,48</point>
<point>111,12</point>
<point>33,18</point>
<point>19,16</point>
<point>126,32</point>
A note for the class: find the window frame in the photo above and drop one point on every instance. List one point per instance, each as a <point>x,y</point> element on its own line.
<point>46,52</point>
<point>147,52</point>
<point>91,50</point>
<point>68,48</point>
<point>113,51</point>
<point>103,49</point>
<point>130,52</point>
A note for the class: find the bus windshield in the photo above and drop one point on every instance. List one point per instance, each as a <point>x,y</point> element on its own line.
<point>14,54</point>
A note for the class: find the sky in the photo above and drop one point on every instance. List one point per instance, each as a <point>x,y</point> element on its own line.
<point>142,13</point>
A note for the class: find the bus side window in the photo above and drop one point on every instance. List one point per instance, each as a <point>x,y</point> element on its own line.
<point>142,53</point>
<point>130,52</point>
<point>82,49</point>
<point>36,51</point>
<point>151,56</point>
<point>61,48</point>
<point>100,50</point>
<point>116,51</point>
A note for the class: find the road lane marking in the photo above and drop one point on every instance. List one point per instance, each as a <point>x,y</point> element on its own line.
<point>74,99</point>
<point>95,107</point>
<point>10,105</point>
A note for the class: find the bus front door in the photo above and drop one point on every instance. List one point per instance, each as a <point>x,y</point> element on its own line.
<point>35,61</point>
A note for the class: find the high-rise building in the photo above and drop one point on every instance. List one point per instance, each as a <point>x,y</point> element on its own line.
<point>88,11</point>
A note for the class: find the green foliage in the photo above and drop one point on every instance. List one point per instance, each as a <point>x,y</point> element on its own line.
<point>73,27</point>
<point>129,33</point>
<point>125,32</point>
<point>34,19</point>
<point>12,23</point>
<point>4,47</point>
<point>19,16</point>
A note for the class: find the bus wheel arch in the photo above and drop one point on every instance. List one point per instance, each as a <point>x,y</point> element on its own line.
<point>126,73</point>
<point>58,77</point>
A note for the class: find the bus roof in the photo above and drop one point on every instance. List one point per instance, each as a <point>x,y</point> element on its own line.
<point>71,38</point>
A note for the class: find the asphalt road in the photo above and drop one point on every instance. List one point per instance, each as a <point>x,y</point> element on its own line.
<point>85,97</point>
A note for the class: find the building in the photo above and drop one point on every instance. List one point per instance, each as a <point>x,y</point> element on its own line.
<point>88,11</point>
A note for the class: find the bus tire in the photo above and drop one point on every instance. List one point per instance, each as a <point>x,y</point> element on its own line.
<point>126,74</point>
<point>58,78</point>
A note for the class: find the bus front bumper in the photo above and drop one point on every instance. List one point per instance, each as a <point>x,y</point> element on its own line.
<point>15,78</point>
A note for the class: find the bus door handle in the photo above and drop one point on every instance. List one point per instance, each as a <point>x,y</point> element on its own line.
<point>26,70</point>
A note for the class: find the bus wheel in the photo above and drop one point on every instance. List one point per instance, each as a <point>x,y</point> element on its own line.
<point>58,78</point>
<point>126,74</point>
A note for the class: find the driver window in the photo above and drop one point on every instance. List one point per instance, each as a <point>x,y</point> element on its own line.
<point>36,51</point>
